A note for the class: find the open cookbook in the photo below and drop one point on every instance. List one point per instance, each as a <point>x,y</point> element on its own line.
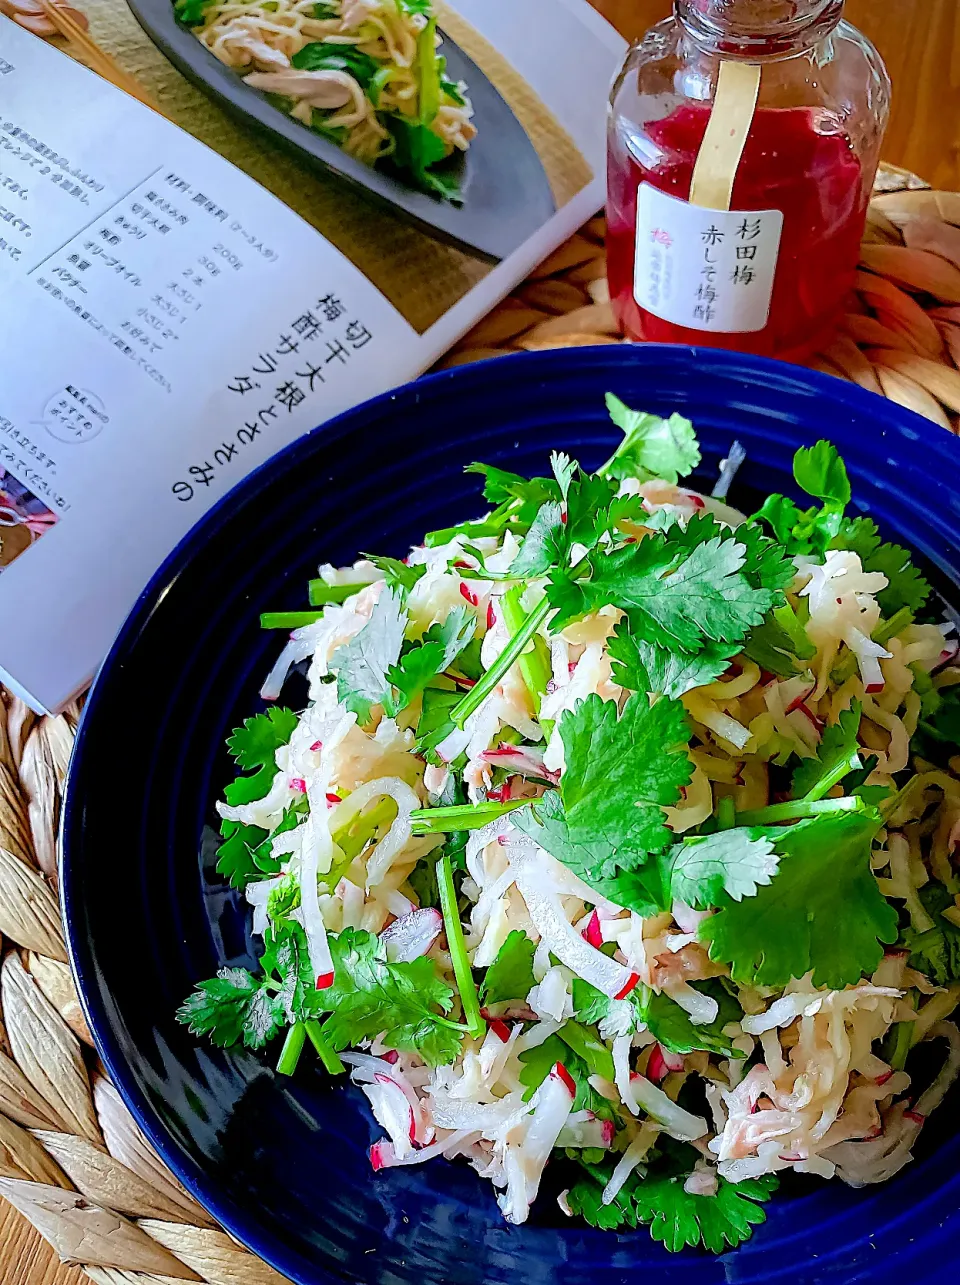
<point>167,324</point>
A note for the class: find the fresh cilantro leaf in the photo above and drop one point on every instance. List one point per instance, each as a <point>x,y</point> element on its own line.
<point>232,1007</point>
<point>664,1018</point>
<point>235,856</point>
<point>500,486</point>
<point>674,597</point>
<point>651,447</point>
<point>284,898</point>
<point>585,1199</point>
<point>780,643</point>
<point>255,744</point>
<point>678,1219</point>
<point>822,911</point>
<point>435,723</point>
<point>732,862</point>
<point>938,734</point>
<point>538,1062</point>
<point>907,587</point>
<point>784,517</point>
<point>590,1005</point>
<point>545,544</point>
<point>399,577</point>
<point>362,663</point>
<point>765,565</point>
<point>371,996</point>
<point>820,471</point>
<point>935,952</point>
<point>423,877</point>
<point>564,470</point>
<point>643,666</point>
<point>420,664</point>
<point>319,56</point>
<point>414,7</point>
<point>590,502</point>
<point>247,850</point>
<point>510,976</point>
<point>620,774</point>
<point>673,1028</point>
<point>837,755</point>
<point>286,957</point>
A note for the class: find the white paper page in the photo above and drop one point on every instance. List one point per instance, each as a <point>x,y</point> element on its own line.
<point>165,326</point>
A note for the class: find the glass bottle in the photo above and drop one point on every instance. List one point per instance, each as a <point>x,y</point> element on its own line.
<point>811,153</point>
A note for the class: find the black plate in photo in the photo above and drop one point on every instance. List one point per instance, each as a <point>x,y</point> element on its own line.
<point>506,193</point>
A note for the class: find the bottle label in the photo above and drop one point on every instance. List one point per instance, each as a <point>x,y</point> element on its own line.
<point>705,269</point>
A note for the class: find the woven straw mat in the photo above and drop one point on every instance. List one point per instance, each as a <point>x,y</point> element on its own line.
<point>71,1158</point>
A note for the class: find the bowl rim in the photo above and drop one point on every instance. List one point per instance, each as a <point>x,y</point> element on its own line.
<point>261,1241</point>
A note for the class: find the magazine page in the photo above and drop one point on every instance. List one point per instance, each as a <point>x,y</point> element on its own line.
<point>167,324</point>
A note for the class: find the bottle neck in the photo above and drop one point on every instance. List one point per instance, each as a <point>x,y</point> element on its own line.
<point>754,29</point>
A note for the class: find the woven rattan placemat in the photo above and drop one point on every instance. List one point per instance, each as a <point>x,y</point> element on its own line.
<point>71,1158</point>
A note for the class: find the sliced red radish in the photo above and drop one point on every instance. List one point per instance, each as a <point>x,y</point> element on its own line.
<point>629,985</point>
<point>299,784</point>
<point>324,981</point>
<point>468,595</point>
<point>500,1029</point>
<point>915,1116</point>
<point>662,1062</point>
<point>392,1112</point>
<point>592,933</point>
<point>384,1156</point>
<point>523,760</point>
<point>543,904</point>
<point>412,935</point>
<point>562,1074</point>
<point>491,615</point>
<point>587,1133</point>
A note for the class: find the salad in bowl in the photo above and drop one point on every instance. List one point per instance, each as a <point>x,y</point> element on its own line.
<point>616,834</point>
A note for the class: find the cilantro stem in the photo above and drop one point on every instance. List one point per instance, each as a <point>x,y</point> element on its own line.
<point>352,839</point>
<point>836,774</point>
<point>726,813</point>
<point>795,811</point>
<point>482,689</point>
<point>585,1044</point>
<point>786,618</point>
<point>321,593</point>
<point>492,525</point>
<point>534,666</point>
<point>900,1045</point>
<point>462,816</point>
<point>326,1053</point>
<point>888,629</point>
<point>292,1048</point>
<point>288,619</point>
<point>469,998</point>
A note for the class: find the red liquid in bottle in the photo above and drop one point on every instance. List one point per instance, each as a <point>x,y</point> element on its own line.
<point>795,160</point>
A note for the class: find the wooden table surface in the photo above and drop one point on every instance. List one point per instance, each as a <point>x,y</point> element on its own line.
<point>920,40</point>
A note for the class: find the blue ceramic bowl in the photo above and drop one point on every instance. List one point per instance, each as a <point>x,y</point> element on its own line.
<point>283,1164</point>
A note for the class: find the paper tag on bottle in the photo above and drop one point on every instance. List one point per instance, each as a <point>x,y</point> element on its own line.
<point>705,269</point>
